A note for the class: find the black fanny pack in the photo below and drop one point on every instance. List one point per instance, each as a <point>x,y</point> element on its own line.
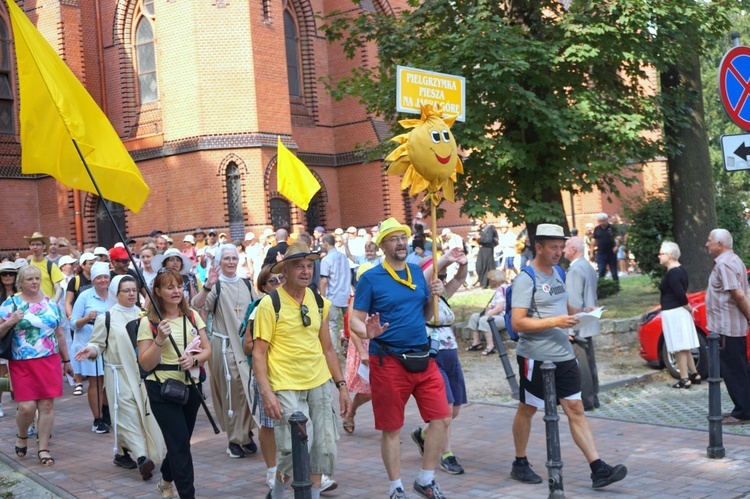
<point>174,392</point>
<point>414,362</point>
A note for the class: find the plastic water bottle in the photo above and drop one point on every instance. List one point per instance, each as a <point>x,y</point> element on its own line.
<point>434,342</point>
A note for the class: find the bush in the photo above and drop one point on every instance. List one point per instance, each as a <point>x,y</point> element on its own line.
<point>650,225</point>
<point>607,287</point>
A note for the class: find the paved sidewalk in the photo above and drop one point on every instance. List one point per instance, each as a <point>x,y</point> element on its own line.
<point>662,461</point>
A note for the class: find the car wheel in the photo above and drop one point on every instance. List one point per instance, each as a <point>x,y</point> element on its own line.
<point>700,355</point>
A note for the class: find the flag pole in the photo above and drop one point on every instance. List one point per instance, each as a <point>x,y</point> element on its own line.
<point>143,280</point>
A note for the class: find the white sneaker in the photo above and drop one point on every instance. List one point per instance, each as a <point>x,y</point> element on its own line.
<point>270,478</point>
<point>1,411</point>
<point>327,483</point>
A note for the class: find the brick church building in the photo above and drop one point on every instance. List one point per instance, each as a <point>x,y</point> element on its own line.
<point>199,91</point>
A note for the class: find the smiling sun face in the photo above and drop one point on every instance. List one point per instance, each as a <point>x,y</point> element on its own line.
<point>428,156</point>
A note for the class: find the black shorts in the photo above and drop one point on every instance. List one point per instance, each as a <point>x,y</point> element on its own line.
<point>567,381</point>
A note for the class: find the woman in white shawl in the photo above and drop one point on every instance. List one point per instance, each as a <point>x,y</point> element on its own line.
<point>135,427</point>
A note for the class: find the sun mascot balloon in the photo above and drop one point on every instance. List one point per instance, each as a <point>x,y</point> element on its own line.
<point>428,156</point>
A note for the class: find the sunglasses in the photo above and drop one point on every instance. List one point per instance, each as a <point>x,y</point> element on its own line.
<point>126,260</point>
<point>305,318</point>
<point>6,274</point>
<point>276,280</point>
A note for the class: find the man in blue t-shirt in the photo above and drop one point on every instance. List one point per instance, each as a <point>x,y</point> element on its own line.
<point>390,306</point>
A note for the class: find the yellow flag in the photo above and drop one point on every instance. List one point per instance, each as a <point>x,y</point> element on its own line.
<point>294,180</point>
<point>55,110</point>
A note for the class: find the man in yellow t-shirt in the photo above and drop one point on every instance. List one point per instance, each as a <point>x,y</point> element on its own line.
<point>293,361</point>
<point>51,274</point>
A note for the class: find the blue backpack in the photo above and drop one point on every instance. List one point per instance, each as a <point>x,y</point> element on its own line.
<point>509,295</point>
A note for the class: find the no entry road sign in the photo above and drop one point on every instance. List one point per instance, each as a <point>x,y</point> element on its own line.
<point>734,85</point>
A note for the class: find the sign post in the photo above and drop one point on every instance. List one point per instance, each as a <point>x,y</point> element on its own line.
<point>416,86</point>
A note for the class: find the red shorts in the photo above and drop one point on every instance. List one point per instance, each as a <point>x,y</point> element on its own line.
<point>392,385</point>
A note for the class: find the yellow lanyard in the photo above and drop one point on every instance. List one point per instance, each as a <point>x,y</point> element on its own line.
<point>395,276</point>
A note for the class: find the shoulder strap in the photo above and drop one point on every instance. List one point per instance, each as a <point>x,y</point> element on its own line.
<point>276,302</point>
<point>106,324</point>
<point>217,287</point>
<point>49,267</point>
<point>249,287</point>
<point>319,301</point>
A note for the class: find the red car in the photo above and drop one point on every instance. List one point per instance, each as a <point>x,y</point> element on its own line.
<point>654,349</point>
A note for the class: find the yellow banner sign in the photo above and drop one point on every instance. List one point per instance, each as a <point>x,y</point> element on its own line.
<point>415,87</point>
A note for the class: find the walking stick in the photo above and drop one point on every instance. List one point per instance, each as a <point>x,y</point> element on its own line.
<point>143,280</point>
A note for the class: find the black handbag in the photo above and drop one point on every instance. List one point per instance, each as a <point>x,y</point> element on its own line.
<point>6,343</point>
<point>175,392</point>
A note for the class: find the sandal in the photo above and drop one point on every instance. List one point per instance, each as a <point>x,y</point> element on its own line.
<point>695,378</point>
<point>21,451</point>
<point>45,461</point>
<point>166,490</point>
<point>683,383</point>
<point>488,351</point>
<point>474,348</point>
<point>78,390</point>
<point>348,424</point>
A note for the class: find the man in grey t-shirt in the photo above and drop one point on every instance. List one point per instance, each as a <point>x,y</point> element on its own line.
<point>335,284</point>
<point>541,315</point>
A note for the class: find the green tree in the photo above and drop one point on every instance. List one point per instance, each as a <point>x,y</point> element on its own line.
<point>557,100</point>
<point>732,188</point>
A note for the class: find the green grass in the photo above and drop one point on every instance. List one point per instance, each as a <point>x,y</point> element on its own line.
<point>637,296</point>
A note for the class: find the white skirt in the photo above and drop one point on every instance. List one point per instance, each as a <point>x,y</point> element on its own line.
<point>679,330</point>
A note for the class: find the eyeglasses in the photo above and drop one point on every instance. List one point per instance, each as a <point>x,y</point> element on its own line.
<point>305,318</point>
<point>62,245</point>
<point>6,274</point>
<point>129,290</point>
<point>396,239</point>
<point>276,280</point>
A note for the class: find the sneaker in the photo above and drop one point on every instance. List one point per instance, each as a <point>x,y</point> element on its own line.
<point>32,430</point>
<point>523,473</point>
<point>145,467</point>
<point>416,435</point>
<point>124,461</point>
<point>399,494</point>
<point>270,479</point>
<point>607,474</point>
<point>235,451</point>
<point>431,491</point>
<point>327,483</point>
<point>250,448</point>
<point>450,465</point>
<point>99,427</point>
<point>106,418</point>
<point>1,411</point>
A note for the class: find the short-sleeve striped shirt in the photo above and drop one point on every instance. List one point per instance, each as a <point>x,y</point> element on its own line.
<point>722,313</point>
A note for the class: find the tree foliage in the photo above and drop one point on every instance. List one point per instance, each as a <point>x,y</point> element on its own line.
<point>651,225</point>
<point>556,99</point>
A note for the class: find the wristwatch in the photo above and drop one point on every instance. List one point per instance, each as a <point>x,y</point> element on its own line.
<point>206,288</point>
<point>341,383</point>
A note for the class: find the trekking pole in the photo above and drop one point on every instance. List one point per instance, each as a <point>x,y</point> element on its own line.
<point>551,419</point>
<point>503,354</point>
<point>143,281</point>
